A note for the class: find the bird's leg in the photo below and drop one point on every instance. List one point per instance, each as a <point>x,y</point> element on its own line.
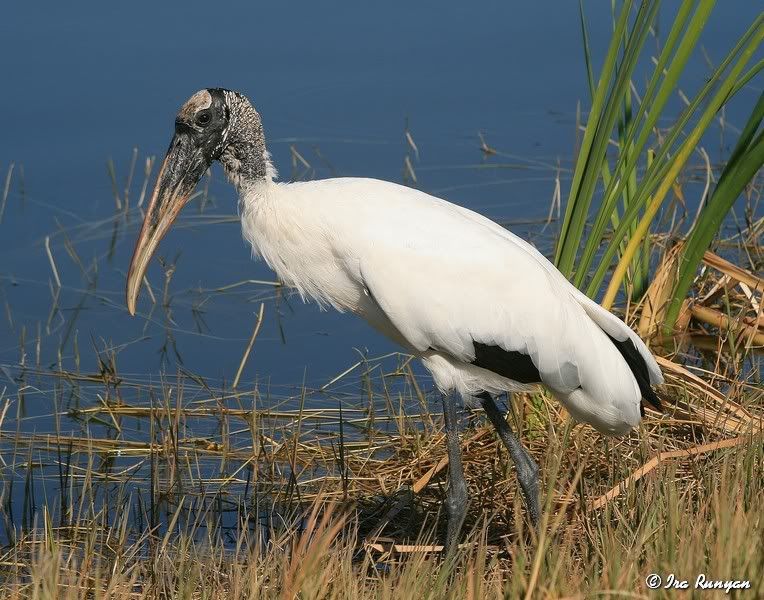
<point>527,469</point>
<point>456,499</point>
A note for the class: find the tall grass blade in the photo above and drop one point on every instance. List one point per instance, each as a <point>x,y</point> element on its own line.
<point>720,98</point>
<point>662,161</point>
<point>578,203</point>
<point>745,161</point>
<point>662,85</point>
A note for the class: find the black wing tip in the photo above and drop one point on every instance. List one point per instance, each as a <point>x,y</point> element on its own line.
<point>649,394</point>
<point>641,373</point>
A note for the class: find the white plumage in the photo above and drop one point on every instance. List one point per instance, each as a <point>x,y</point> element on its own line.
<point>436,277</point>
<point>484,310</point>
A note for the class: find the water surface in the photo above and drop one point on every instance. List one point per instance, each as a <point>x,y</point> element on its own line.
<point>338,84</point>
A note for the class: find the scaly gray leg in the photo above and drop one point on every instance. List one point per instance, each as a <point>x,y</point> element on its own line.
<point>527,469</point>
<point>456,499</point>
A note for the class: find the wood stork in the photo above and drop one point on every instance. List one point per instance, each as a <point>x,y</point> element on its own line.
<point>484,310</point>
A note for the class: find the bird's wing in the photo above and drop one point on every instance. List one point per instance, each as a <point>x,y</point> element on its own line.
<point>447,281</point>
<point>448,278</point>
<point>452,308</point>
<point>607,321</point>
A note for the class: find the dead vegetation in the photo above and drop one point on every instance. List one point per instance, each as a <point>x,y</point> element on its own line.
<point>184,490</point>
<point>188,488</point>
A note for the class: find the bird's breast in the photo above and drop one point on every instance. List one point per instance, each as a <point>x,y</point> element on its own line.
<point>296,245</point>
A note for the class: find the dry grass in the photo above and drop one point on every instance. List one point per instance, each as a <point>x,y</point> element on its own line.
<point>688,517</point>
<point>185,489</point>
<point>285,503</point>
<point>701,517</point>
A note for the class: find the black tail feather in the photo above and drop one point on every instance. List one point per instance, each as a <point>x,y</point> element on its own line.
<point>639,368</point>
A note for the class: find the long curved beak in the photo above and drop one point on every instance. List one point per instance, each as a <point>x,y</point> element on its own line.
<point>180,172</point>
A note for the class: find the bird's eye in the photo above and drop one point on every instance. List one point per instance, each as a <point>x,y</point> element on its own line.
<point>203,118</point>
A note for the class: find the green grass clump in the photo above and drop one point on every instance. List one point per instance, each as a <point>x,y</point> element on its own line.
<point>648,161</point>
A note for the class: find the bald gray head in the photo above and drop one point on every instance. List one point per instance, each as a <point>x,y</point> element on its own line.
<point>227,127</point>
<point>214,124</point>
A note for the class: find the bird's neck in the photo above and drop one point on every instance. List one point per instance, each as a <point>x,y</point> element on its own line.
<point>245,159</point>
<point>247,166</point>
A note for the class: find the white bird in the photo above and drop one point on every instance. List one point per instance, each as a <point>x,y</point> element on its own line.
<point>483,309</point>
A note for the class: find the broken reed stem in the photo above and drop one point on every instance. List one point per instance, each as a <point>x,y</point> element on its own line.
<point>114,185</point>
<point>249,345</point>
<point>662,456</point>
<point>52,262</point>
<point>724,323</point>
<point>129,180</point>
<point>6,189</point>
<point>149,291</point>
<point>148,166</point>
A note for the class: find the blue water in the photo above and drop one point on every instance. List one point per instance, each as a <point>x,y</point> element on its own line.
<point>87,83</point>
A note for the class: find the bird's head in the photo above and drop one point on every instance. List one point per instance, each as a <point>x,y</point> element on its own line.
<point>214,124</point>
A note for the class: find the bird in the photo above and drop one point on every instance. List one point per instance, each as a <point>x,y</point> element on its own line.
<point>483,309</point>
